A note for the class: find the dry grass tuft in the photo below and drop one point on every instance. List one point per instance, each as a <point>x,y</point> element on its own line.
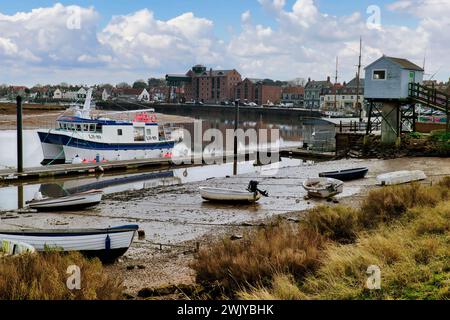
<point>277,249</point>
<point>390,203</point>
<point>337,223</point>
<point>43,277</point>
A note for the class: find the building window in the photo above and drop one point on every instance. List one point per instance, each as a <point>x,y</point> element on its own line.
<point>379,75</point>
<point>119,132</point>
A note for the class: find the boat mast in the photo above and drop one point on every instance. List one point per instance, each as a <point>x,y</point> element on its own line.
<point>87,105</point>
<point>357,81</point>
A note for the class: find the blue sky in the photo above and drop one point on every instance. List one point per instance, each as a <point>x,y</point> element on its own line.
<point>280,39</point>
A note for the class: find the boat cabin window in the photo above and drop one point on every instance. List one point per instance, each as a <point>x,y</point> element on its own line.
<point>119,132</point>
<point>139,134</point>
<point>92,127</point>
<point>78,127</point>
<point>86,127</point>
<point>99,128</point>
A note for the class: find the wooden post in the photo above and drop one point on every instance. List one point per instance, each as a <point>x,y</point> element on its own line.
<point>369,118</point>
<point>19,135</point>
<point>235,144</point>
<point>447,119</point>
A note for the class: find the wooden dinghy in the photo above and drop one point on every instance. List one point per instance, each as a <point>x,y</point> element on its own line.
<point>399,177</point>
<point>12,248</point>
<point>106,244</point>
<point>346,175</point>
<point>75,201</point>
<point>323,187</point>
<point>251,194</point>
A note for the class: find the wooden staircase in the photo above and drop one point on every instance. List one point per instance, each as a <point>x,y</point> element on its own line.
<point>429,97</point>
<point>432,98</point>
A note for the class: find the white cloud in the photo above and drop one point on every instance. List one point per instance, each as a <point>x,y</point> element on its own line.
<point>304,41</point>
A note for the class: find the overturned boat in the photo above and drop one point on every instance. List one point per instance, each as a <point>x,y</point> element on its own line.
<point>323,187</point>
<point>346,175</point>
<point>106,244</point>
<point>400,177</point>
<point>71,202</point>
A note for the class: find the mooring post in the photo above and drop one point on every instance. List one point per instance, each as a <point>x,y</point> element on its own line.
<point>19,135</point>
<point>235,144</point>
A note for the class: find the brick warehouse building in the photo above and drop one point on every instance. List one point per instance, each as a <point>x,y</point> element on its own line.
<point>258,91</point>
<point>209,86</point>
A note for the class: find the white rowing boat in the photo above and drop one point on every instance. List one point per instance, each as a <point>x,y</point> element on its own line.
<point>11,248</point>
<point>399,177</point>
<point>71,202</point>
<point>323,187</point>
<point>228,195</point>
<point>107,244</point>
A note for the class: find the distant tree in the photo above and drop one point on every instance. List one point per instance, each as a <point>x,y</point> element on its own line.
<point>123,85</point>
<point>139,84</point>
<point>155,82</point>
<point>106,86</point>
<point>64,85</point>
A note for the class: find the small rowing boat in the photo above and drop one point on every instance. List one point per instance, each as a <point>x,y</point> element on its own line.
<point>12,248</point>
<point>399,177</point>
<point>345,175</point>
<point>251,194</point>
<point>70,202</point>
<point>106,244</point>
<point>323,187</point>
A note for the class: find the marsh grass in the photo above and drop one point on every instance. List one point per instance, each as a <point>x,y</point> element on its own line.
<point>404,230</point>
<point>43,276</point>
<point>277,249</point>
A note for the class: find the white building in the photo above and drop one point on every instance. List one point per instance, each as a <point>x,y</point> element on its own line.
<point>105,95</point>
<point>57,94</point>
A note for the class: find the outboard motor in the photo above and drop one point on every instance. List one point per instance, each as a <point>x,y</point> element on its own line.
<point>253,187</point>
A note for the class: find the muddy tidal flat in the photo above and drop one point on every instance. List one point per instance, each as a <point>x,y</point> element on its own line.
<point>175,219</point>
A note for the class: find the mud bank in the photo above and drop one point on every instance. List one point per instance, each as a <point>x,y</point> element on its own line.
<point>176,220</point>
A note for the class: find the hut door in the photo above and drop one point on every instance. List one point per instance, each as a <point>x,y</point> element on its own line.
<point>412,77</point>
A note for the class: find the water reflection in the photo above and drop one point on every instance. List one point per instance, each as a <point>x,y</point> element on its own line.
<point>12,198</point>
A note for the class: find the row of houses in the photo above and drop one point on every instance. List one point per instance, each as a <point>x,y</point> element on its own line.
<point>216,86</point>
<point>79,93</point>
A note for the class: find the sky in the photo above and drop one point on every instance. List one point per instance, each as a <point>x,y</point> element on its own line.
<point>100,41</point>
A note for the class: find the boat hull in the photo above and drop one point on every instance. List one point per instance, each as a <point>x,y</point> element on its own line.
<point>323,187</point>
<point>62,145</point>
<point>400,177</point>
<point>228,195</point>
<point>52,152</point>
<point>346,175</point>
<point>72,202</point>
<point>106,244</point>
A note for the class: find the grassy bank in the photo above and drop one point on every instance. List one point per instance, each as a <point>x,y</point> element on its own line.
<point>403,230</point>
<point>44,276</point>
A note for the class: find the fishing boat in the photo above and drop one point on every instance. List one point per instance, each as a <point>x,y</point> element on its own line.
<point>346,175</point>
<point>399,177</point>
<point>82,137</point>
<point>75,201</point>
<point>251,194</point>
<point>106,244</point>
<point>323,187</point>
<point>12,248</point>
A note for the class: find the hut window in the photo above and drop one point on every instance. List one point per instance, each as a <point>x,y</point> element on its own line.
<point>119,132</point>
<point>379,75</point>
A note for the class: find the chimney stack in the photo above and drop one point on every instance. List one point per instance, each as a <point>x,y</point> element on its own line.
<point>328,79</point>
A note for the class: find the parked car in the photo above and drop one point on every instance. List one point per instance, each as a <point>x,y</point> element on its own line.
<point>252,104</point>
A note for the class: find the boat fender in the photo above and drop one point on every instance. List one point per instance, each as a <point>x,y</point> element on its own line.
<point>107,242</point>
